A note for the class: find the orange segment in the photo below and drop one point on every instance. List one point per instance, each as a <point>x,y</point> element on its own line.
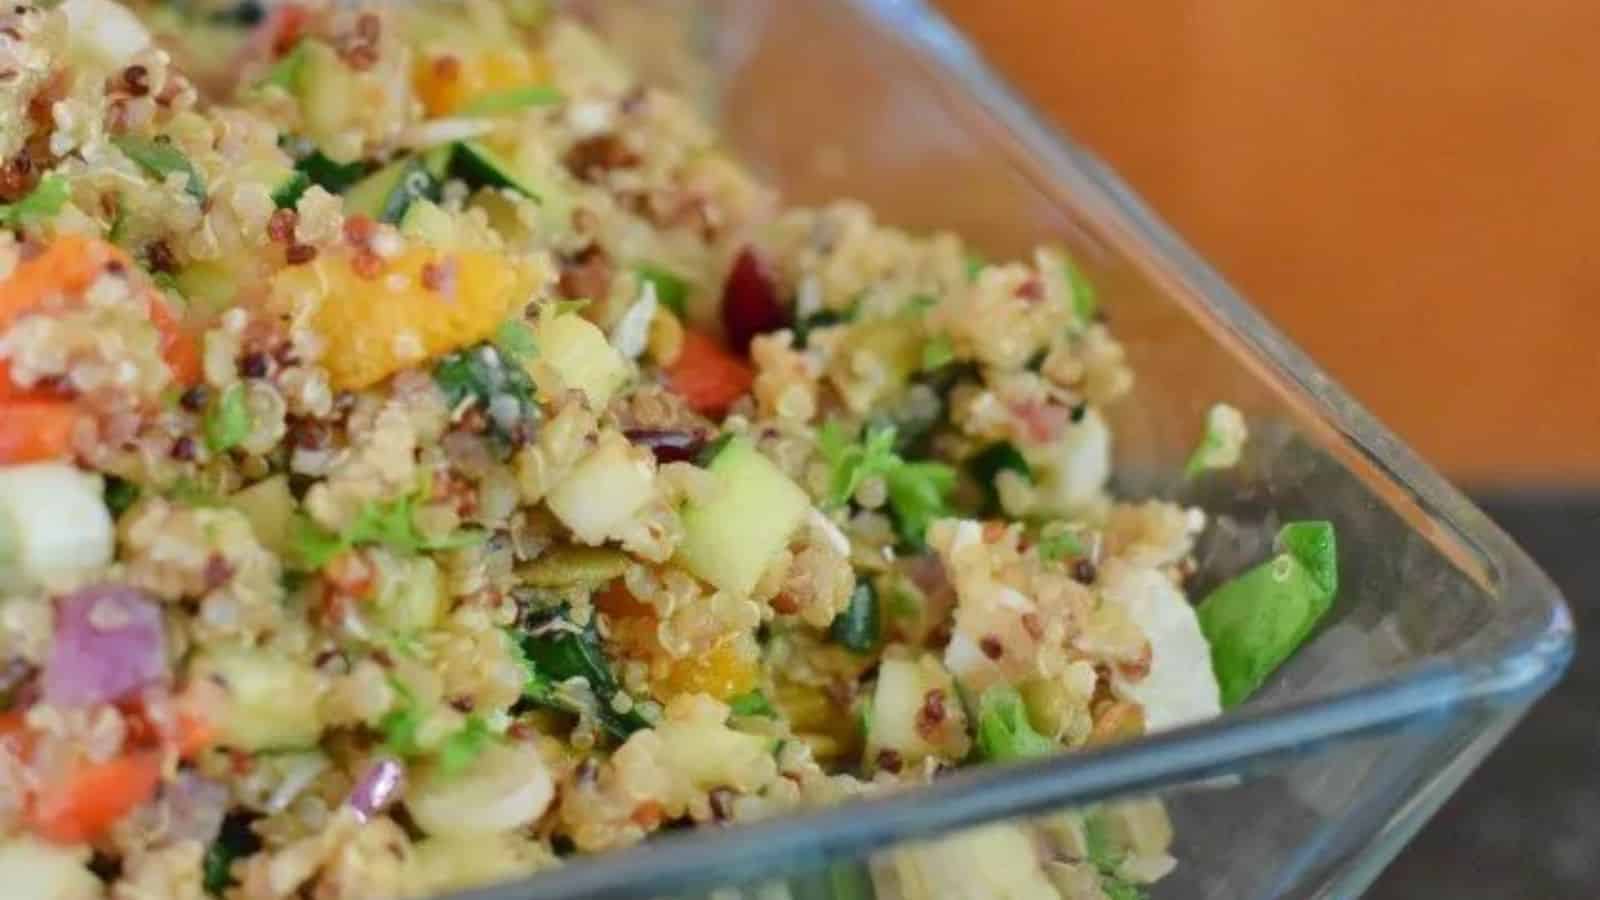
<point>446,82</point>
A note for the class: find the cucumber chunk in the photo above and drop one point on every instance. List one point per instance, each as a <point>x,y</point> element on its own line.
<point>730,538</point>
<point>478,166</point>
<point>388,193</point>
<point>577,352</point>
<point>272,701</point>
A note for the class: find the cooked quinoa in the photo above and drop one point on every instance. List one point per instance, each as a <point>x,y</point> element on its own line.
<point>426,455</point>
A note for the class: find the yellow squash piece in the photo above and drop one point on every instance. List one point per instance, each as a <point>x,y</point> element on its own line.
<point>375,326</point>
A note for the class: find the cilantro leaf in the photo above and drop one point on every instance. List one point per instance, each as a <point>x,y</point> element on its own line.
<point>918,491</point>
<point>400,724</point>
<point>671,288</point>
<point>918,494</point>
<point>45,200</point>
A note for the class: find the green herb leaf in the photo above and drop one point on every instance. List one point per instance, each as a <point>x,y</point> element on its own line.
<point>160,159</point>
<point>1004,732</point>
<point>400,724</point>
<point>389,523</point>
<point>857,628</point>
<point>120,495</point>
<point>672,289</point>
<point>1117,889</point>
<point>919,493</point>
<point>512,100</point>
<point>555,650</point>
<point>228,421</point>
<point>1256,621</point>
<point>44,201</point>
<point>919,304</point>
<point>1059,542</point>
<point>460,749</point>
<point>285,73</point>
<point>850,463</point>
<point>235,841</point>
<point>937,353</point>
<point>754,703</point>
<point>1221,445</point>
<point>486,372</point>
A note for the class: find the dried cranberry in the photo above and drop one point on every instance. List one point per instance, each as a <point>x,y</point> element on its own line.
<point>669,445</point>
<point>750,302</point>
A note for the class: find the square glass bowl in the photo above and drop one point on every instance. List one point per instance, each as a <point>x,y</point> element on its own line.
<point>1443,634</point>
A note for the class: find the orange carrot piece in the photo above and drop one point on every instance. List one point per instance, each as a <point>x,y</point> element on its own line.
<point>36,430</point>
<point>194,734</point>
<point>93,797</point>
<point>70,264</point>
<point>178,347</point>
<point>707,376</point>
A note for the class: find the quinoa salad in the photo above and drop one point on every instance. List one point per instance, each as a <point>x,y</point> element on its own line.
<point>428,456</point>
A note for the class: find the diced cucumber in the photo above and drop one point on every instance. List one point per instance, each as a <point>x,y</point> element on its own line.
<point>604,491</point>
<point>333,176</point>
<point>270,508</point>
<point>426,222</point>
<point>330,94</point>
<point>857,628</point>
<point>53,525</point>
<point>477,165</point>
<point>577,351</point>
<point>388,193</point>
<point>209,287</point>
<point>511,100</point>
<point>731,537</point>
<point>272,701</point>
<point>903,689</point>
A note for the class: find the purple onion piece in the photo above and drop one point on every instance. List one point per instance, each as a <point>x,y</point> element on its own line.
<point>750,301</point>
<point>376,787</point>
<point>196,806</point>
<point>109,643</point>
<point>669,445</point>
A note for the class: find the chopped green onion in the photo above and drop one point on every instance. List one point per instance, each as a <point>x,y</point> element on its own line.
<point>227,422</point>
<point>160,159</point>
<point>1221,445</point>
<point>1004,732</point>
<point>511,100</point>
<point>1257,620</point>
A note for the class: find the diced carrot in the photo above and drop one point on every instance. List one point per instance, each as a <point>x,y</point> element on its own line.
<point>178,347</point>
<point>707,376</point>
<point>94,796</point>
<point>194,734</point>
<point>11,391</point>
<point>283,28</point>
<point>70,264</point>
<point>36,430</point>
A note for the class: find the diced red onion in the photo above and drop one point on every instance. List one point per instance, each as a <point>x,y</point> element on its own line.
<point>669,445</point>
<point>196,806</point>
<point>750,301</point>
<point>377,787</point>
<point>109,643</point>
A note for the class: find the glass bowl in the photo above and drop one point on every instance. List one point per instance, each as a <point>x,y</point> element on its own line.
<point>1443,634</point>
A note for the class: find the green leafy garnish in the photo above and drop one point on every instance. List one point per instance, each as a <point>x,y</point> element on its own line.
<point>460,749</point>
<point>918,491</point>
<point>1221,445</point>
<point>1117,889</point>
<point>486,372</point>
<point>1004,732</point>
<point>937,353</point>
<point>1059,542</point>
<point>1257,620</point>
<point>512,100</point>
<point>986,465</point>
<point>120,495</point>
<point>160,159</point>
<point>672,289</point>
<point>389,523</point>
<point>857,628</point>
<point>228,421</point>
<point>554,650</point>
<point>234,842</point>
<point>754,703</point>
<point>44,201</point>
<point>400,724</point>
<point>333,177</point>
<point>514,340</point>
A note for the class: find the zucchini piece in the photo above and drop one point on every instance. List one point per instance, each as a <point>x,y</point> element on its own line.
<point>474,163</point>
<point>388,193</point>
<point>31,867</point>
<point>731,537</point>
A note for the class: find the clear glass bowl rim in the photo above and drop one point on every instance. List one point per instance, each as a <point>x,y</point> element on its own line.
<point>1526,655</point>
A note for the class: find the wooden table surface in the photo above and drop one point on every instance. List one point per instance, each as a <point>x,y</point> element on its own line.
<point>1411,190</point>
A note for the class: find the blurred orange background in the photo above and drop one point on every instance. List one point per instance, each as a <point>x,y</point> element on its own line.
<point>1410,190</point>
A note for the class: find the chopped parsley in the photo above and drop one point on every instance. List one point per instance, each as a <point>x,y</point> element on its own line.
<point>919,492</point>
<point>389,523</point>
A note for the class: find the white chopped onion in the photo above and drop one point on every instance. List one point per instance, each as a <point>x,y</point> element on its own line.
<point>633,330</point>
